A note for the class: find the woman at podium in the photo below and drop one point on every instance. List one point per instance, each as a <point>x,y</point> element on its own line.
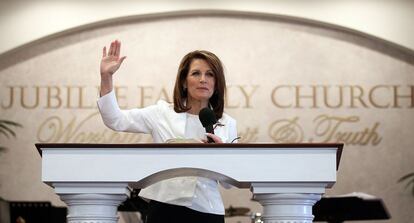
<point>200,83</point>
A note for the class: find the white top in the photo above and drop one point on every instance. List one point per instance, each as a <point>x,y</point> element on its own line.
<point>206,197</point>
<point>193,128</point>
<point>163,123</point>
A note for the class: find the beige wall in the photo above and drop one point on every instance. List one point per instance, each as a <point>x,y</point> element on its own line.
<point>26,21</point>
<point>289,81</point>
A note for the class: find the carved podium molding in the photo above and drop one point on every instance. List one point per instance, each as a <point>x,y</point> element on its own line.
<point>93,179</point>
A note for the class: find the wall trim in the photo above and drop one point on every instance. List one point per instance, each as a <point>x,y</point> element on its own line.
<point>360,38</point>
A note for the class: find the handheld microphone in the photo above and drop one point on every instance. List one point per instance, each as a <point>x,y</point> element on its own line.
<point>208,119</point>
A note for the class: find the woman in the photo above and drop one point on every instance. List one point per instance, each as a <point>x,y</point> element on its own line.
<point>200,83</point>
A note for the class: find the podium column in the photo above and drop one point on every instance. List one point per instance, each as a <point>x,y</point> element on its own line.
<point>92,202</point>
<point>290,203</point>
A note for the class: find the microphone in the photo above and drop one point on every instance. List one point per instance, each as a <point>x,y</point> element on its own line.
<point>208,119</point>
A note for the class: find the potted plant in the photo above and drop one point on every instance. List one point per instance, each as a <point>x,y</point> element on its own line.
<point>409,178</point>
<point>6,129</point>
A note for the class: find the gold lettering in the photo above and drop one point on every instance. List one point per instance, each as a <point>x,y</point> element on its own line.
<point>248,135</point>
<point>274,97</point>
<point>164,95</point>
<point>53,127</point>
<point>358,96</point>
<point>144,94</point>
<point>248,95</point>
<point>372,98</point>
<point>326,96</point>
<point>328,128</point>
<point>81,99</point>
<point>361,138</point>
<point>312,96</point>
<point>23,96</point>
<point>286,131</point>
<point>55,96</point>
<point>228,99</point>
<point>68,97</point>
<point>11,101</point>
<point>49,129</point>
<point>397,96</point>
<point>54,130</point>
<point>237,96</point>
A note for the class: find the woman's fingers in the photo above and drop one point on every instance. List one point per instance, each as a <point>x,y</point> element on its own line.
<point>122,59</point>
<point>104,52</point>
<point>118,48</point>
<point>114,49</point>
<point>215,138</point>
<point>111,49</point>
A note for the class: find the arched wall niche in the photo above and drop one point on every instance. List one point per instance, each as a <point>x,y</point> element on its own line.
<point>289,80</point>
<point>321,28</point>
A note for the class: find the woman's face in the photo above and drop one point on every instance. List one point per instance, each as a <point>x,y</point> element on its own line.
<point>200,81</point>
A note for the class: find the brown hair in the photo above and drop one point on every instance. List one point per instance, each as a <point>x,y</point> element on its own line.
<point>180,94</point>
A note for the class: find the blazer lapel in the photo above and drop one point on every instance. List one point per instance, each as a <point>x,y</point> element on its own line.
<point>178,124</point>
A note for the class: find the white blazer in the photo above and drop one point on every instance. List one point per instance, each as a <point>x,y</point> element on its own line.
<point>163,123</point>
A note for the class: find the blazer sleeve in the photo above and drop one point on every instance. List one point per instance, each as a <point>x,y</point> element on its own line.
<point>139,120</point>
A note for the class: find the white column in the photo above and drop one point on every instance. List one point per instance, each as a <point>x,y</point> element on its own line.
<point>287,208</point>
<point>287,203</point>
<point>92,203</point>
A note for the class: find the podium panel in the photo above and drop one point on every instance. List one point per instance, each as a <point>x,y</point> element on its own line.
<point>93,179</point>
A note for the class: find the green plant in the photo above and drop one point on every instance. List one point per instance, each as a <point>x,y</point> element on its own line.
<point>6,129</point>
<point>410,181</point>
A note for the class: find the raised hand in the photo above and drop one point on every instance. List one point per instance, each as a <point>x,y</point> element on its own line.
<point>111,62</point>
<point>109,65</point>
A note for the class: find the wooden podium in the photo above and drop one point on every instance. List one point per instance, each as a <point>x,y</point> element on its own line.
<point>93,179</point>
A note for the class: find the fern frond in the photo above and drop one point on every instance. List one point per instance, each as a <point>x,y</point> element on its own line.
<point>405,177</point>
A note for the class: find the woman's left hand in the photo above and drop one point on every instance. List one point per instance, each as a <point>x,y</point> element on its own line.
<point>215,138</point>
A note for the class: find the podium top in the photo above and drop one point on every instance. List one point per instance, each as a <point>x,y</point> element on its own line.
<point>189,145</point>
<point>242,146</point>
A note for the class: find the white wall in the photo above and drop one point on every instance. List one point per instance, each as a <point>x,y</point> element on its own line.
<point>22,22</point>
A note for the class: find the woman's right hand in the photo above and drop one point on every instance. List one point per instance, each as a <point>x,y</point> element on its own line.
<point>111,61</point>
